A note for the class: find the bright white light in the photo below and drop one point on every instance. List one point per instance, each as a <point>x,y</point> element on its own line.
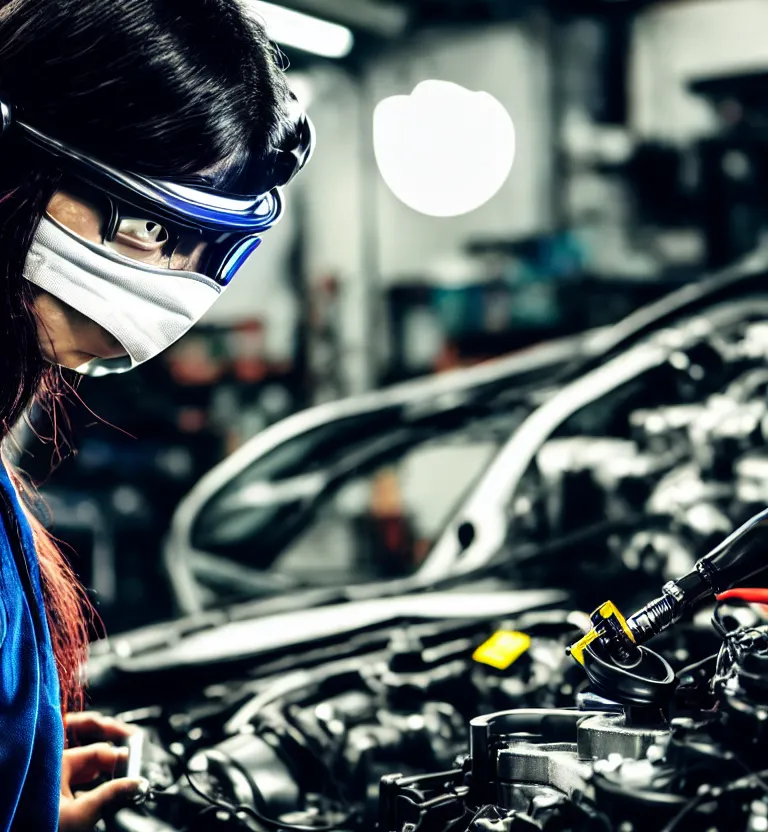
<point>443,150</point>
<point>302,31</point>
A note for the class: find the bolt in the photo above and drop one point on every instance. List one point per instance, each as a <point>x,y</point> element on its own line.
<point>655,753</point>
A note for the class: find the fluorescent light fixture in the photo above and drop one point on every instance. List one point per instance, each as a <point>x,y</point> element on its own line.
<point>303,31</point>
<point>385,19</point>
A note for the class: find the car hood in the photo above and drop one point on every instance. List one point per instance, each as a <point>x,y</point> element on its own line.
<point>224,637</point>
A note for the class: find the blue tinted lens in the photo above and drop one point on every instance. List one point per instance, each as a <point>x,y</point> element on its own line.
<point>236,258</point>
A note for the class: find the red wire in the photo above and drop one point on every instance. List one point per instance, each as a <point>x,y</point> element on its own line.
<point>753,595</point>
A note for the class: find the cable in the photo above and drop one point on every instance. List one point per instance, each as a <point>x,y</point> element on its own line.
<point>720,626</point>
<point>218,804</point>
<point>240,809</point>
<point>280,826</point>
<point>265,821</point>
<point>692,668</point>
<point>214,805</point>
<point>752,595</point>
<point>299,680</point>
<point>691,806</point>
<point>270,823</point>
<point>750,781</point>
<point>481,811</point>
<point>179,549</point>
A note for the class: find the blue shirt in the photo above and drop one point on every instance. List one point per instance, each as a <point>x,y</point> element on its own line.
<point>31,730</point>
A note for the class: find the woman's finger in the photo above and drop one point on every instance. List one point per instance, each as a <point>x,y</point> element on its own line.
<point>78,716</point>
<point>90,726</point>
<point>84,765</point>
<point>88,809</point>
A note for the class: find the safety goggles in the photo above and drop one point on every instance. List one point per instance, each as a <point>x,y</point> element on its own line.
<point>144,237</point>
<point>214,230</point>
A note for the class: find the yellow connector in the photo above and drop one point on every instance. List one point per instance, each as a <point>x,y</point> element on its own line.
<point>607,611</point>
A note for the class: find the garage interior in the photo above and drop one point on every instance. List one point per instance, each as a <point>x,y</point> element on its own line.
<point>504,358</point>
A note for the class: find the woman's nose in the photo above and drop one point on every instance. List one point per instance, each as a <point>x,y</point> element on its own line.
<point>144,230</point>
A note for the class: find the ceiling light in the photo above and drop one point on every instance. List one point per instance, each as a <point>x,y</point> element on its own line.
<point>385,19</point>
<point>302,31</point>
<point>444,150</point>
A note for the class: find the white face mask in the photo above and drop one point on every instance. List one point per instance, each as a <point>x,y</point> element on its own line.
<point>145,308</point>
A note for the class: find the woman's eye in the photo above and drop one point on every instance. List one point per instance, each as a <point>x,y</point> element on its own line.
<point>143,231</point>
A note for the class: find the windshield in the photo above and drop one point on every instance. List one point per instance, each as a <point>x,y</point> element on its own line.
<point>352,492</point>
<point>342,513</point>
<point>382,524</point>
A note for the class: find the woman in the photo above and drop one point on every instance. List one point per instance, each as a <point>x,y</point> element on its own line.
<point>143,147</point>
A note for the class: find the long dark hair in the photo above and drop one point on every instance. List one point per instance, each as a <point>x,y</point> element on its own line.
<point>163,87</point>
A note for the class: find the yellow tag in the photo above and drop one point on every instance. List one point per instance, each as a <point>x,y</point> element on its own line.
<point>502,649</point>
<point>608,610</point>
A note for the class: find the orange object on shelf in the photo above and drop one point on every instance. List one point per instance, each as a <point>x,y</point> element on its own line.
<point>249,362</point>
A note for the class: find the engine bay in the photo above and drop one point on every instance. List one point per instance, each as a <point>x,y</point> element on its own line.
<point>387,737</point>
<point>483,721</point>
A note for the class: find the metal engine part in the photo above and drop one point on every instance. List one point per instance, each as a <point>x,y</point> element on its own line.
<point>567,767</point>
<point>553,766</point>
<point>599,737</point>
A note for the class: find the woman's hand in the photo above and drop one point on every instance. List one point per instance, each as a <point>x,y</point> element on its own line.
<point>81,811</point>
<point>89,757</point>
<point>89,727</point>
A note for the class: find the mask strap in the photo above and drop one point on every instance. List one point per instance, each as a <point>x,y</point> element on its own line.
<point>113,222</point>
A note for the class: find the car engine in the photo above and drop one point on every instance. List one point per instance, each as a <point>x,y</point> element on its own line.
<point>484,722</point>
<point>309,748</point>
<point>683,752</point>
